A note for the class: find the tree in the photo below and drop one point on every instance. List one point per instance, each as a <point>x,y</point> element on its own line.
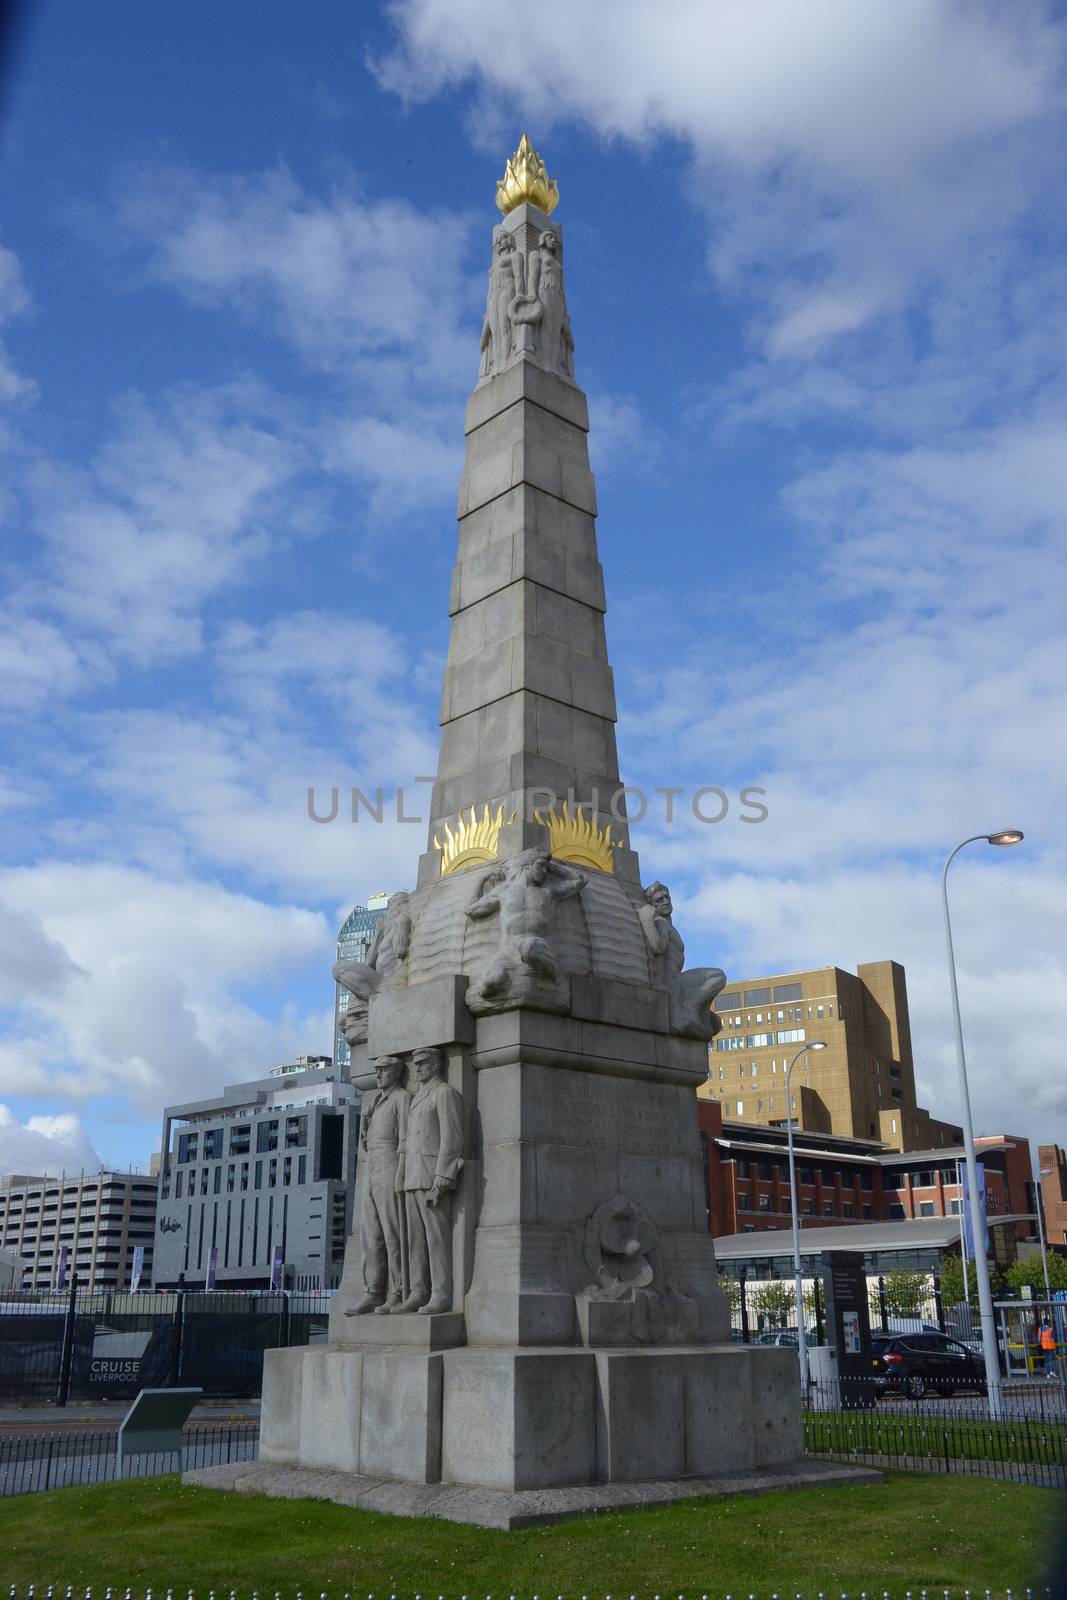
<point>776,1301</point>
<point>952,1288</point>
<point>732,1290</point>
<point>1029,1271</point>
<point>905,1292</point>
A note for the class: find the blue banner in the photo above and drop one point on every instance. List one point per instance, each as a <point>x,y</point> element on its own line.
<point>968,1231</point>
<point>138,1268</point>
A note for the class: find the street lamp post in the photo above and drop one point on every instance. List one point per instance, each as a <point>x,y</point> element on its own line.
<point>1007,836</point>
<point>802,1332</point>
<point>1039,1207</point>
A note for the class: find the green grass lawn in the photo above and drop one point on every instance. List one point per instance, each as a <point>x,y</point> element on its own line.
<point>883,1433</point>
<point>913,1532</point>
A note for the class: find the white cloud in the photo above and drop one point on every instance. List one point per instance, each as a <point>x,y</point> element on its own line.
<point>14,302</point>
<point>909,695</point>
<point>842,152</point>
<point>45,1146</point>
<point>155,979</point>
<point>345,278</point>
<point>182,500</point>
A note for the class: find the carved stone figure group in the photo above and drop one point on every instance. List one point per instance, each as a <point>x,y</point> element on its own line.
<point>413,1145</point>
<point>526,293</point>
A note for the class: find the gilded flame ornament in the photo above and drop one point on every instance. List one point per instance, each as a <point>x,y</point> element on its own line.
<point>578,839</point>
<point>474,839</point>
<point>525,180</point>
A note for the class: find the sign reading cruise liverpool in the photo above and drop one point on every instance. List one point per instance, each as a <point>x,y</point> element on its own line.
<point>529,1322</point>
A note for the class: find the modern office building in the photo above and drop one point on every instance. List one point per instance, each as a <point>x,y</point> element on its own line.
<point>353,944</point>
<point>11,1266</point>
<point>1053,1191</point>
<point>267,1166</point>
<point>100,1219</point>
<point>842,1182</point>
<point>862,1086</point>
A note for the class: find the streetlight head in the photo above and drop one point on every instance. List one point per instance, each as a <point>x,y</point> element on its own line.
<point>1006,836</point>
<point>817,1044</point>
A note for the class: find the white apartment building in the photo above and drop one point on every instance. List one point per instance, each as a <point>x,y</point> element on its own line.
<point>100,1217</point>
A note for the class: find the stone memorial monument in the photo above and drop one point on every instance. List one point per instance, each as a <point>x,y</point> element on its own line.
<point>529,1323</point>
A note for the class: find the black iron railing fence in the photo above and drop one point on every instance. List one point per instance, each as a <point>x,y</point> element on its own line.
<point>844,1421</point>
<point>851,1421</point>
<point>63,1457</point>
<point>88,1346</point>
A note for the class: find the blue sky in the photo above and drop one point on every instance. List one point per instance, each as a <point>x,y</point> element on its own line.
<point>816,279</point>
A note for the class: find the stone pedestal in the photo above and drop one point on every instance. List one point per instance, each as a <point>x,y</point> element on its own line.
<point>526,1419</point>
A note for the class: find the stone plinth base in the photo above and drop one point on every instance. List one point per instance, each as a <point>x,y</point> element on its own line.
<point>531,1419</point>
<point>497,1508</point>
<point>441,1330</point>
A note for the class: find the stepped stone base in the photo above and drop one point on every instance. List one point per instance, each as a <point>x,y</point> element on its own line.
<point>525,1508</point>
<point>516,1420</point>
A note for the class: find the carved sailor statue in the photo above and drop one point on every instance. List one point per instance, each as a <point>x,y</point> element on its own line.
<point>430,1160</point>
<point>383,1127</point>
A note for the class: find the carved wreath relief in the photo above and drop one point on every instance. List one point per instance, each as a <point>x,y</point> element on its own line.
<point>526,308</point>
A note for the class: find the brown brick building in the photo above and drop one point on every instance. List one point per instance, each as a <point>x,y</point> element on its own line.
<point>862,1086</point>
<point>842,1180</point>
<point>1054,1191</point>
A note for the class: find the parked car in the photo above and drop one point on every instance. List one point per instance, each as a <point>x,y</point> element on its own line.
<point>917,1364</point>
<point>786,1336</point>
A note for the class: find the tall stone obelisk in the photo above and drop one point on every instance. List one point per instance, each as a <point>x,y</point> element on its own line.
<point>529,1322</point>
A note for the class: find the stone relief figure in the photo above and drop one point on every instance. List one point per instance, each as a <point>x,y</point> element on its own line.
<point>382,1131</point>
<point>691,992</point>
<point>384,965</point>
<point>430,1160</point>
<point>507,284</point>
<point>545,281</point>
<point>627,1301</point>
<point>617,1245</point>
<point>524,893</point>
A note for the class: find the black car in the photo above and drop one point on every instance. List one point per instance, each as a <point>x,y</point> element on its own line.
<point>917,1364</point>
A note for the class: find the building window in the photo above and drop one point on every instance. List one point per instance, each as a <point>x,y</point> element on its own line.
<point>240,1139</point>
<point>764,1202</point>
<point>792,1036</point>
<point>757,997</point>
<point>820,1011</point>
<point>926,1208</point>
<point>827,1208</point>
<point>213,1145</point>
<point>953,1208</point>
<point>788,991</point>
<point>178,1181</point>
<point>187,1143</point>
<point>740,1108</point>
<point>848,1209</point>
<point>267,1137</point>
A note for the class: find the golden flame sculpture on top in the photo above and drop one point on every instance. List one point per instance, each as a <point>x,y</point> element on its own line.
<point>525,179</point>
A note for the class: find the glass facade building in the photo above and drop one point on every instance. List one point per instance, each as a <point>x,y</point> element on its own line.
<point>353,944</point>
